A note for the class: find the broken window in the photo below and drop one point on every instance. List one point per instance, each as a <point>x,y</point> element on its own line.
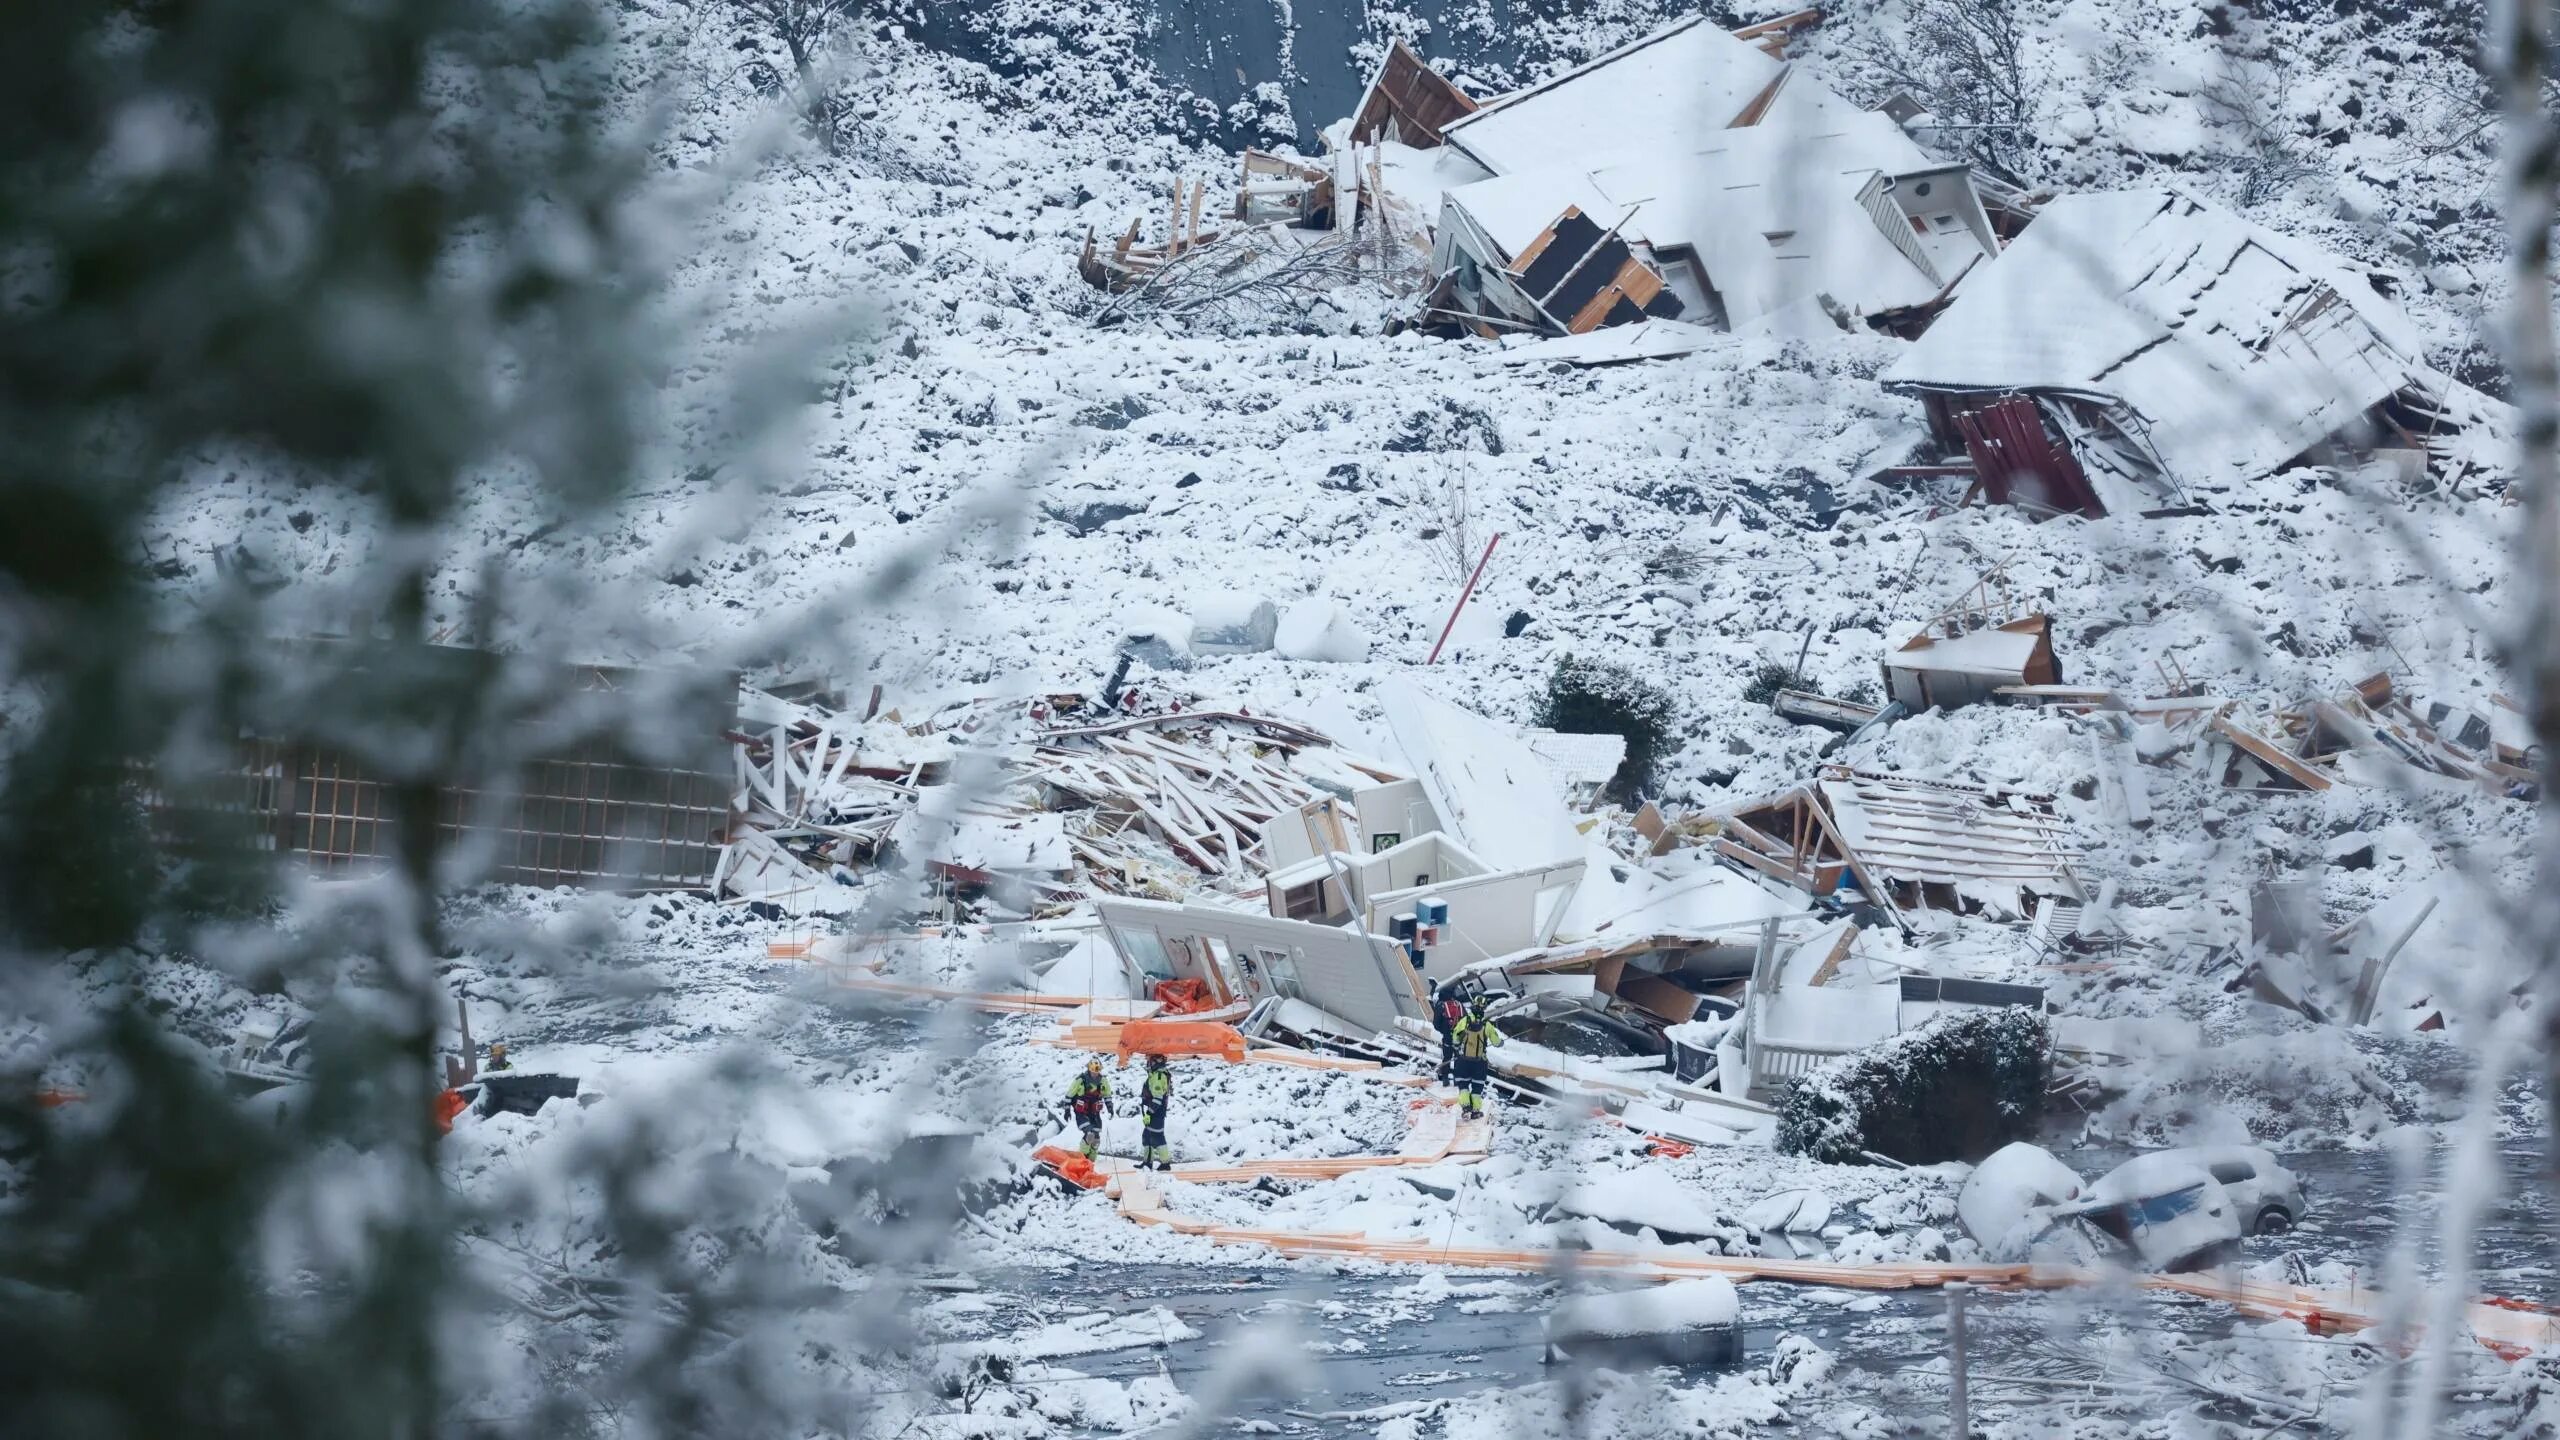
<point>1282,969</point>
<point>1146,950</point>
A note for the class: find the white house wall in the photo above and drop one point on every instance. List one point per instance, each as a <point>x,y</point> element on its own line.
<point>1399,808</point>
<point>1489,915</point>
<point>1364,979</point>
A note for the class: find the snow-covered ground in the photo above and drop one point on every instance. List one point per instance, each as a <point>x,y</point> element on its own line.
<point>1052,485</point>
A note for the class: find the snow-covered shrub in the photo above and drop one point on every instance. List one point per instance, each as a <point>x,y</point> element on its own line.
<point>1955,1089</point>
<point>1766,682</point>
<point>1595,697</point>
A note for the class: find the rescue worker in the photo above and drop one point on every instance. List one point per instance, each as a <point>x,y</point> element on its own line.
<point>1086,1099</point>
<point>1155,1097</point>
<point>498,1056</point>
<point>1445,1014</point>
<point>1473,1036</point>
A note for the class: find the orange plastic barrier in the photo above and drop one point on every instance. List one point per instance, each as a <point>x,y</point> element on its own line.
<point>2509,1329</point>
<point>1179,1037</point>
<point>1071,1166</point>
<point>448,1105</point>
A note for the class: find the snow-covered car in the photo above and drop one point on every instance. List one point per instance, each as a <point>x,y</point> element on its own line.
<point>2008,1202</point>
<point>2167,1208</point>
<point>1687,1322</point>
<point>2267,1196</point>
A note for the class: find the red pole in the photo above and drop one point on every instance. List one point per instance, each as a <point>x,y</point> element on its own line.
<point>1462,597</point>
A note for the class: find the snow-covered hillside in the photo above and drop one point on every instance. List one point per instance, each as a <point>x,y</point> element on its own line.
<point>980,491</point>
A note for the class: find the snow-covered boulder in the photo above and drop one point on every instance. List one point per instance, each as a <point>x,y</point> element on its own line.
<point>1321,630</point>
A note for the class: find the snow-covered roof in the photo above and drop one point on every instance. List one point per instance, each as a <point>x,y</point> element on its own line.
<point>1490,789</point>
<point>1988,844</point>
<point>2238,347</point>
<point>1771,211</point>
<point>1513,210</point>
<point>1676,83</point>
<point>1989,651</point>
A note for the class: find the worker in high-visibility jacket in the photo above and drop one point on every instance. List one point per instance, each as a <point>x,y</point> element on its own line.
<point>1087,1097</point>
<point>1471,1037</point>
<point>1155,1097</point>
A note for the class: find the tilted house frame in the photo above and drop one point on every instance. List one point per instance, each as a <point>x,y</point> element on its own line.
<point>1725,226</point>
<point>1360,977</point>
<point>2131,344</point>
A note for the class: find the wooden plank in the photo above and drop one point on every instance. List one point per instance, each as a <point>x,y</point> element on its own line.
<point>2270,756</point>
<point>1782,25</point>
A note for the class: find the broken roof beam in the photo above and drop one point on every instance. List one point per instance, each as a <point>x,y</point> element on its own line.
<point>1773,35</point>
<point>1408,102</point>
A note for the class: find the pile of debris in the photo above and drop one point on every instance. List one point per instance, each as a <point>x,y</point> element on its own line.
<point>1024,810</point>
<point>1694,173</point>
<point>2133,351</point>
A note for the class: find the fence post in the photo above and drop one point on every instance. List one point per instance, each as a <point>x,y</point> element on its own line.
<point>1958,1403</point>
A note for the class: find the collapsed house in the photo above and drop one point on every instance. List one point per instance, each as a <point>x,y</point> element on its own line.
<point>1030,815</point>
<point>1693,174</point>
<point>2132,344</point>
<point>1902,844</point>
<point>1810,1004</point>
<point>1833,208</point>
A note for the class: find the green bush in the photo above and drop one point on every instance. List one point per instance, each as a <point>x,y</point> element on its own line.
<point>1957,1088</point>
<point>1766,682</point>
<point>1594,697</point>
